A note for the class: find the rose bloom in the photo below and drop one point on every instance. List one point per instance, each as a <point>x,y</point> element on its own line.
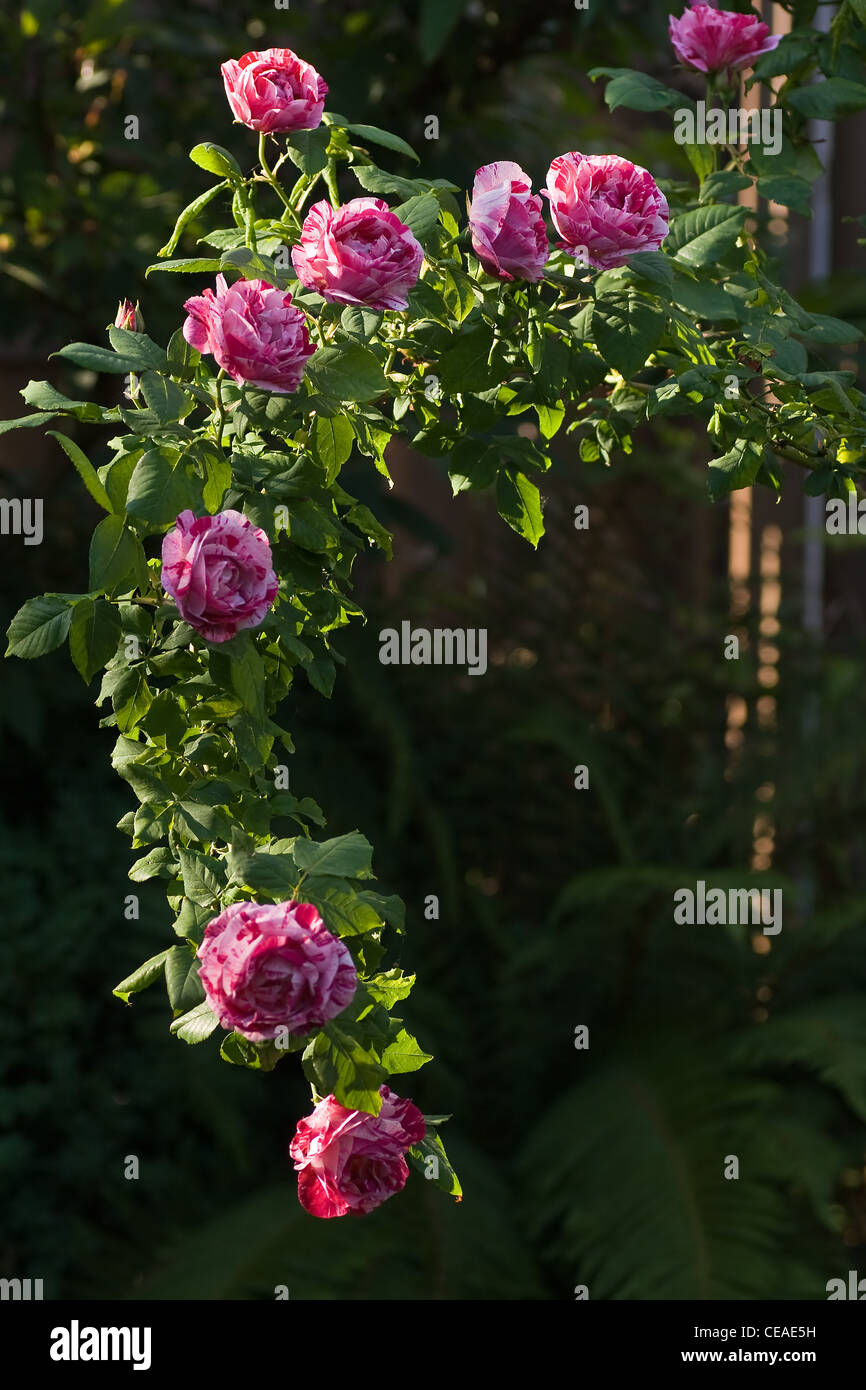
<point>253,331</point>
<point>605,208</point>
<point>274,90</point>
<point>349,1161</point>
<point>266,967</point>
<point>508,232</point>
<point>218,570</point>
<point>714,40</point>
<point>359,254</point>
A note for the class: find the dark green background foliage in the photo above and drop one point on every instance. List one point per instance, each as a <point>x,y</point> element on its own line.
<point>601,1167</point>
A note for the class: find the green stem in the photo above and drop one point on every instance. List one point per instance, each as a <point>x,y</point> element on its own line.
<point>269,173</point>
<point>221,413</point>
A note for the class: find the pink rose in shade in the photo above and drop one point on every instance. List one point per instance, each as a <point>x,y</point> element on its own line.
<point>218,570</point>
<point>714,40</point>
<point>605,208</point>
<point>253,331</point>
<point>267,967</point>
<point>349,1161</point>
<point>274,90</point>
<point>359,254</point>
<point>508,232</point>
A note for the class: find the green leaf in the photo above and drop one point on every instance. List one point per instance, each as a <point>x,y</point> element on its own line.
<point>168,403</point>
<point>85,468</point>
<point>182,979</point>
<point>93,635</point>
<point>196,1025</point>
<point>141,978</point>
<point>724,184</point>
<point>40,626</point>
<point>27,422</point>
<point>702,237</point>
<point>702,159</point>
<point>348,856</point>
<point>215,159</point>
<point>704,299</point>
<point>390,987</point>
<point>43,396</point>
<point>306,149</point>
<point>375,136</point>
<point>189,214</point>
<point>98,359</point>
<point>202,883</point>
<point>248,681</point>
<point>654,266</point>
<point>404,1054</point>
<point>519,503</point>
<point>459,293</point>
<point>627,327</point>
<point>441,1173</point>
<point>117,560</point>
<point>138,348</point>
<point>350,373</point>
<point>824,329</point>
<point>790,53</point>
<point>361,323</point>
<point>161,487</point>
<point>380,182</point>
<point>464,367</point>
<point>636,91</point>
<point>186,265</point>
<point>550,418</point>
<point>158,863</point>
<point>342,1064</point>
<point>331,440</point>
<point>131,698</point>
<point>256,1056</point>
<point>737,468</point>
<point>789,190</point>
<point>344,912</point>
<point>827,100</point>
<point>420,214</point>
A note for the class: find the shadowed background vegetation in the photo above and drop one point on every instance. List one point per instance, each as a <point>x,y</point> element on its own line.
<point>603,1166</point>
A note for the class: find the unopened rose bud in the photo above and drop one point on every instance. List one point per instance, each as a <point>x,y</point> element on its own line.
<point>129,316</point>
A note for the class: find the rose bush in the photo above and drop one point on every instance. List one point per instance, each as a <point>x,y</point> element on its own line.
<point>221,570</point>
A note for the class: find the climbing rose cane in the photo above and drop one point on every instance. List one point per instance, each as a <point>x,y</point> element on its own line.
<point>359,254</point>
<point>218,570</point>
<point>508,232</point>
<point>605,208</point>
<point>349,1161</point>
<point>253,331</point>
<point>714,40</point>
<point>274,90</point>
<point>266,967</point>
